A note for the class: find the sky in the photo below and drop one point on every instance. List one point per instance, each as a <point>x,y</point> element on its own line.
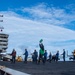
<point>53,8</point>
<point>27,21</point>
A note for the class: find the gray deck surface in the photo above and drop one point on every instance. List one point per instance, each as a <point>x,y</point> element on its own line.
<point>59,68</point>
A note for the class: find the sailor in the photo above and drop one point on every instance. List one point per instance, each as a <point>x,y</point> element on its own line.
<point>26,56</point>
<point>57,56</point>
<point>64,55</point>
<point>50,57</point>
<point>41,51</point>
<point>13,56</point>
<point>74,55</point>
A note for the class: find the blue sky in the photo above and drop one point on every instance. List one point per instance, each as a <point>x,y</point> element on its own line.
<point>26,3</point>
<point>17,6</point>
<point>51,20</point>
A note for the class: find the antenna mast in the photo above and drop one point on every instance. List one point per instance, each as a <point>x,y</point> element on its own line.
<point>1,20</point>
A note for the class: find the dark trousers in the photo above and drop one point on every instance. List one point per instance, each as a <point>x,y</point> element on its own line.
<point>35,59</point>
<point>63,58</point>
<point>25,59</point>
<point>57,58</point>
<point>41,57</point>
<point>45,59</point>
<point>13,59</point>
<point>74,57</point>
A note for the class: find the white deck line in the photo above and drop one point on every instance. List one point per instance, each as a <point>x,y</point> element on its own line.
<point>14,72</point>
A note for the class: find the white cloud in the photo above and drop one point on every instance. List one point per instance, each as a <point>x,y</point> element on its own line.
<point>24,33</point>
<point>50,15</point>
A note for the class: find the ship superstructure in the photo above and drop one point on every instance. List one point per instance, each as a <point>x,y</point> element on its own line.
<point>3,42</point>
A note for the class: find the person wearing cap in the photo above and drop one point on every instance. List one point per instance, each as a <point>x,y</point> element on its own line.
<point>64,53</point>
<point>57,56</point>
<point>26,56</point>
<point>13,56</point>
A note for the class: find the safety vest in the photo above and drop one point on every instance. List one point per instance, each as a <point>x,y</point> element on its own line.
<point>41,51</point>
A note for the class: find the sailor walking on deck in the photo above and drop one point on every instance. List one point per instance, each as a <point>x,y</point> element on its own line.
<point>64,53</point>
<point>26,56</point>
<point>13,56</point>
